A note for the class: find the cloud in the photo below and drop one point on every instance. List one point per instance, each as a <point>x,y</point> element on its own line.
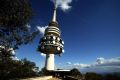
<point>106,61</point>
<point>105,65</point>
<point>42,29</point>
<point>110,62</point>
<point>12,51</point>
<point>63,4</point>
<point>100,65</point>
<point>100,60</point>
<point>76,65</point>
<point>69,63</point>
<point>43,55</point>
<point>15,58</point>
<point>80,65</point>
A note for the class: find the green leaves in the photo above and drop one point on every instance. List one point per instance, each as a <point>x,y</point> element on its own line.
<point>14,17</point>
<point>17,69</point>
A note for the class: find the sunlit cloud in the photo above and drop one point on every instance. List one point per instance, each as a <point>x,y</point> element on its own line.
<point>80,65</point>
<point>63,4</point>
<point>69,63</point>
<point>106,61</point>
<point>43,55</point>
<point>100,60</point>
<point>15,58</point>
<point>105,65</point>
<point>100,65</point>
<point>42,29</point>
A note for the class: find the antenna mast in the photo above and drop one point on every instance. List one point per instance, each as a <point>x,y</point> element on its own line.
<point>54,13</point>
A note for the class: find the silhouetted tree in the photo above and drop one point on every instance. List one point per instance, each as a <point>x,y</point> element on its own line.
<point>93,76</point>
<point>44,72</point>
<point>28,68</point>
<point>18,69</point>
<point>5,61</point>
<point>75,72</point>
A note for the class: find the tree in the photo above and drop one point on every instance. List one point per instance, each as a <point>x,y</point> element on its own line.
<point>44,72</point>
<point>14,13</point>
<point>18,69</point>
<point>5,61</point>
<point>28,68</point>
<point>14,17</point>
<point>75,72</point>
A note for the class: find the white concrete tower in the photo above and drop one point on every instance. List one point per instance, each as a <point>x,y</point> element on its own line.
<point>49,63</point>
<point>51,44</point>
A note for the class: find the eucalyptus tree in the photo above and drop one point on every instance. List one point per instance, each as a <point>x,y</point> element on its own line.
<point>15,16</point>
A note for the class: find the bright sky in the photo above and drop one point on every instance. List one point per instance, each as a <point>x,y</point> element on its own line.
<point>90,30</point>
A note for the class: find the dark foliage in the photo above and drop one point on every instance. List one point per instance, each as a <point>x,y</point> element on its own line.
<point>17,69</point>
<point>113,76</point>
<point>14,13</point>
<point>10,68</point>
<point>44,72</point>
<point>75,72</point>
<point>14,31</point>
<point>14,17</point>
<point>95,76</point>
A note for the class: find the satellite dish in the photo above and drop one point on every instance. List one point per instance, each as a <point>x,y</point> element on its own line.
<point>58,48</point>
<point>44,38</point>
<point>49,37</point>
<point>63,51</point>
<point>62,42</point>
<point>58,39</point>
<point>53,42</point>
<point>48,42</point>
<point>54,37</point>
<point>62,45</point>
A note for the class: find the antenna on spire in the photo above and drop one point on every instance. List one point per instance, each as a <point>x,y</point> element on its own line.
<point>55,4</point>
<point>54,13</point>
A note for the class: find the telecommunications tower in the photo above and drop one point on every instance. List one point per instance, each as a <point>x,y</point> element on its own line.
<point>51,44</point>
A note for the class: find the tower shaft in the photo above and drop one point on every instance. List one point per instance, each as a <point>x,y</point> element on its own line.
<point>49,63</point>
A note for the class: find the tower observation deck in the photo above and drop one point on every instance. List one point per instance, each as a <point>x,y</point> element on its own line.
<point>51,43</point>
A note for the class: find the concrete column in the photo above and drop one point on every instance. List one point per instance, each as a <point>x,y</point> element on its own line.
<point>49,63</point>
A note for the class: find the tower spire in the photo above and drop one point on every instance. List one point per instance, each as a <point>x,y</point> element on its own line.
<point>54,13</point>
